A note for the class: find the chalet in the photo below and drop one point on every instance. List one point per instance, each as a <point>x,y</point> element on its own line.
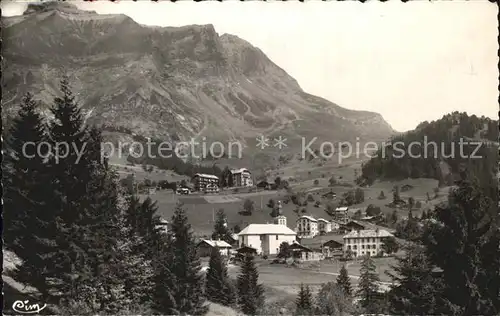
<point>328,245</point>
<point>341,214</point>
<point>211,188</point>
<point>352,225</point>
<point>266,238</point>
<point>242,177</point>
<point>329,195</point>
<point>324,226</point>
<point>307,227</point>
<point>365,242</point>
<point>303,253</point>
<point>201,181</point>
<point>206,246</point>
<point>264,185</point>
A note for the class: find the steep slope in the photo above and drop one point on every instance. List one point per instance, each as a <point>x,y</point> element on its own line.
<point>169,83</point>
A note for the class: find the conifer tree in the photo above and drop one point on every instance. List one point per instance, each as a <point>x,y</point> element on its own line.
<point>344,282</point>
<point>304,301</point>
<point>332,301</point>
<point>367,286</point>
<point>218,286</point>
<point>250,292</point>
<point>221,230</point>
<point>27,181</point>
<point>464,243</point>
<point>178,283</point>
<point>416,291</point>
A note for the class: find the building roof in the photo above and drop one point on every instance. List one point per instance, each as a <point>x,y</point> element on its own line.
<point>367,233</point>
<point>204,175</point>
<point>318,241</point>
<point>235,171</point>
<point>323,220</point>
<point>307,217</point>
<point>266,229</point>
<point>341,209</point>
<point>216,243</point>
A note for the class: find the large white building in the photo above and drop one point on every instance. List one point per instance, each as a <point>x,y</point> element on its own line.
<point>266,238</point>
<point>242,177</point>
<point>324,226</point>
<point>307,227</point>
<point>365,242</point>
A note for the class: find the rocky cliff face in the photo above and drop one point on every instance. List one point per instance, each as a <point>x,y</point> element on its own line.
<point>172,82</point>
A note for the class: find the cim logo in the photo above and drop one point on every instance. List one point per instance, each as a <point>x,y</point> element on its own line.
<point>24,307</point>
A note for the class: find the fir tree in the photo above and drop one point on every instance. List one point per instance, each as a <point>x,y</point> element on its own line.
<point>220,227</point>
<point>178,283</point>
<point>464,243</point>
<point>304,301</point>
<point>344,282</point>
<point>395,195</point>
<point>250,293</point>
<point>218,287</point>
<point>416,291</point>
<point>332,301</point>
<point>28,215</point>
<point>368,287</point>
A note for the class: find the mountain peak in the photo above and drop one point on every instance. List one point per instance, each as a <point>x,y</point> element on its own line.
<point>61,6</point>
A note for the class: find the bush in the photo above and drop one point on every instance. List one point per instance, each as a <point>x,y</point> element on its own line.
<point>310,198</point>
<point>316,182</point>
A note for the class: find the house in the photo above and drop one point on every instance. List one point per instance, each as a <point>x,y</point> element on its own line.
<point>307,227</point>
<point>365,242</point>
<point>266,238</point>
<point>151,191</point>
<point>211,188</point>
<point>328,245</point>
<point>206,246</point>
<point>303,253</point>
<point>329,195</point>
<point>324,226</point>
<point>242,177</point>
<point>264,185</point>
<point>245,251</point>
<point>352,225</point>
<point>231,239</point>
<point>201,181</point>
<point>341,214</point>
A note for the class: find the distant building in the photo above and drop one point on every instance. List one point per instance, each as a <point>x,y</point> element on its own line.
<point>211,188</point>
<point>264,185</point>
<point>206,246</point>
<point>266,238</point>
<point>242,178</point>
<point>324,226</point>
<point>201,181</point>
<point>307,227</point>
<point>365,242</point>
<point>151,191</point>
<point>341,214</point>
<point>303,253</point>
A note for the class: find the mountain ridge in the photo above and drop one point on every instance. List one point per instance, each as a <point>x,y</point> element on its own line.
<point>167,82</point>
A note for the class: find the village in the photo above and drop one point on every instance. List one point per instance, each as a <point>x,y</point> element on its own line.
<point>290,246</point>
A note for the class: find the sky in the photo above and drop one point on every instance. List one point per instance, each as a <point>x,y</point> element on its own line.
<point>410,62</point>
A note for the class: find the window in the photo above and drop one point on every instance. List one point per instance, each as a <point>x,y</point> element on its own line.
<point>362,246</point>
<point>276,237</point>
<point>349,247</point>
<point>354,247</point>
